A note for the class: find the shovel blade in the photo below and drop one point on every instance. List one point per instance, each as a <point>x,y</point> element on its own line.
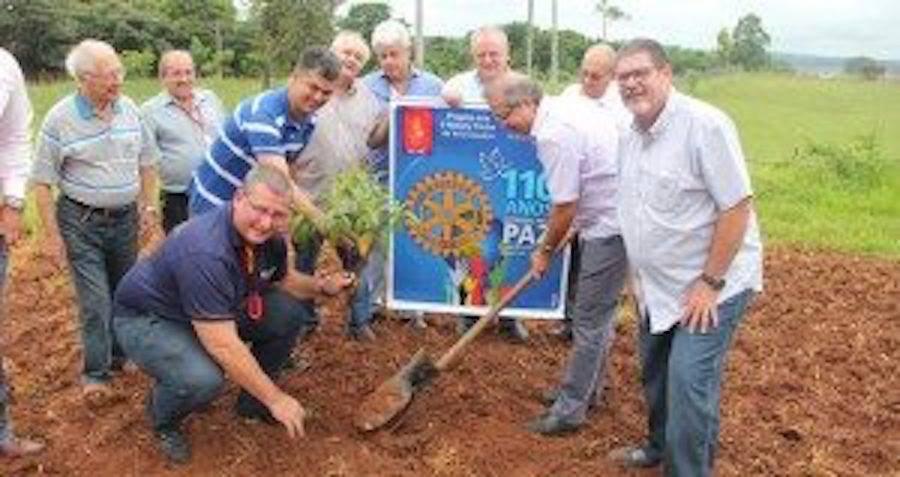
<point>393,395</point>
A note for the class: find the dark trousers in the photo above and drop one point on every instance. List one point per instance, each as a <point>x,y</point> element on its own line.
<point>174,209</point>
<point>101,245</point>
<point>187,377</point>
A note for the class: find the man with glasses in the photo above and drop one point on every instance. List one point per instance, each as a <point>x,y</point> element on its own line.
<point>685,204</point>
<point>577,145</point>
<point>222,279</point>
<point>183,121</point>
<point>94,148</point>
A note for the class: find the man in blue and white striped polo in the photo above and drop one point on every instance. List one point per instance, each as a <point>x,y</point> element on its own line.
<point>94,148</point>
<point>272,127</point>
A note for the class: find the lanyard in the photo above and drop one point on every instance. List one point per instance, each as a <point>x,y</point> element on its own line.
<point>254,302</point>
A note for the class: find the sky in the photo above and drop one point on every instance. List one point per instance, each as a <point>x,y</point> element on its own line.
<point>820,27</point>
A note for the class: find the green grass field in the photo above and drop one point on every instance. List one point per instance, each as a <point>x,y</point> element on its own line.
<point>845,199</point>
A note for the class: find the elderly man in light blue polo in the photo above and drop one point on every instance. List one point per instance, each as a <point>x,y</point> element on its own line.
<point>183,121</point>
<point>395,78</point>
<point>693,242</point>
<point>95,150</point>
<point>577,145</point>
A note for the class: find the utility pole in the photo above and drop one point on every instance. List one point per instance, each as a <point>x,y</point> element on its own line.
<point>420,38</point>
<point>529,38</point>
<point>554,46</point>
<point>219,54</point>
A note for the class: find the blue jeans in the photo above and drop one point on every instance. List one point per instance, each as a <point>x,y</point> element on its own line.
<point>101,245</point>
<point>186,376</point>
<point>682,379</point>
<point>361,304</point>
<point>6,431</point>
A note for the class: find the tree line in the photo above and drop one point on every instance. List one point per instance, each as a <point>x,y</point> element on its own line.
<point>263,39</point>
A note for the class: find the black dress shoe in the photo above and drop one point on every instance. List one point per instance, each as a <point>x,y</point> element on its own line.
<point>174,445</point>
<point>549,397</point>
<point>635,457</point>
<point>549,425</point>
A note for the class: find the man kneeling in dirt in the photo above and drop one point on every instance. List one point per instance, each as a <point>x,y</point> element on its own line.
<point>184,313</point>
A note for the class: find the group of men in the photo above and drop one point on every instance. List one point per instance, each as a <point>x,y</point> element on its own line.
<point>653,182</point>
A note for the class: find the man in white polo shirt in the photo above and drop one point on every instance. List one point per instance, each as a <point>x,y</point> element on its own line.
<point>686,210</point>
<point>489,47</point>
<point>597,88</point>
<point>577,145</point>
<point>15,149</point>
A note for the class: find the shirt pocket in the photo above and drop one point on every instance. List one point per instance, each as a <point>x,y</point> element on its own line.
<point>664,193</point>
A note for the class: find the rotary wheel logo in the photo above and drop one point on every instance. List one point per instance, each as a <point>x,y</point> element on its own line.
<point>448,211</point>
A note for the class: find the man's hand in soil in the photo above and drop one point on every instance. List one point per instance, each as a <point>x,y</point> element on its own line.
<point>700,308</point>
<point>334,283</point>
<point>289,413</point>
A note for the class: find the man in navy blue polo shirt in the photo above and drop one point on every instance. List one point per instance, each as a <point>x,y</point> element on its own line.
<point>184,313</point>
<point>272,127</point>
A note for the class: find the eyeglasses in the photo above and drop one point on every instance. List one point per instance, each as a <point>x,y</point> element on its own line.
<point>507,111</point>
<point>115,74</point>
<point>274,215</point>
<point>639,75</point>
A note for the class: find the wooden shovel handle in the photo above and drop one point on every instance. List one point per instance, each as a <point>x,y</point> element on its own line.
<point>447,358</point>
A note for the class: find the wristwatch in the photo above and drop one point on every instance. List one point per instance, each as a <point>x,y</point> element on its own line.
<point>547,248</point>
<point>14,202</point>
<point>717,284</point>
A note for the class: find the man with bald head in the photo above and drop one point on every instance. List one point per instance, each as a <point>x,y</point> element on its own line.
<point>94,148</point>
<point>489,47</point>
<point>597,85</point>
<point>598,88</point>
<point>183,121</point>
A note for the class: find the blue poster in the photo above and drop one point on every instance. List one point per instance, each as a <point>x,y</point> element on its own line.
<point>476,203</point>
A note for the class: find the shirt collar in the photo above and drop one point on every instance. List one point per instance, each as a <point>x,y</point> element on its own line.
<point>413,73</point>
<point>540,116</point>
<point>86,109</point>
<point>234,238</point>
<point>308,121</point>
<point>169,99</point>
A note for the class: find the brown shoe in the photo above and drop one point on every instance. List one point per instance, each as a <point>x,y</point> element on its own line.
<point>19,446</point>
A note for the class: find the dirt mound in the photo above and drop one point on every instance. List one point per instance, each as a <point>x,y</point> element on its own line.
<point>813,388</point>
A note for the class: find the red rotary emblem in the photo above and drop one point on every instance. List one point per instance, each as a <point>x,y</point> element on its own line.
<point>418,130</point>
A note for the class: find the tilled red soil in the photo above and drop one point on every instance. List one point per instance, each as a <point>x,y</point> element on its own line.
<point>812,388</point>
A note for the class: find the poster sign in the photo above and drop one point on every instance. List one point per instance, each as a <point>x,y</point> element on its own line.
<point>476,205</point>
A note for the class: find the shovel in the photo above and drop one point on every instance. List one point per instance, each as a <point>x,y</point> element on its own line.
<point>395,394</point>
